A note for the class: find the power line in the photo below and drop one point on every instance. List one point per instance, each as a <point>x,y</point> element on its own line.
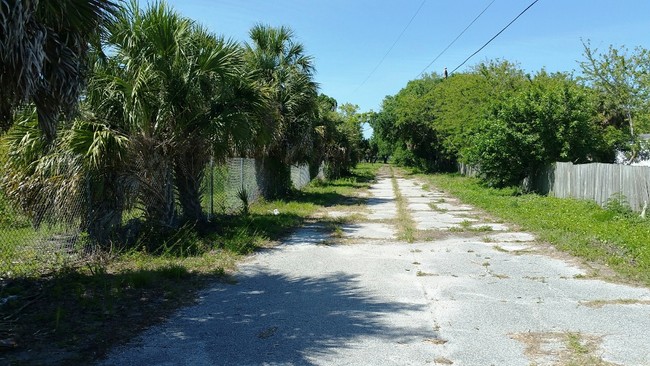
<point>455,39</point>
<point>390,49</point>
<point>495,36</point>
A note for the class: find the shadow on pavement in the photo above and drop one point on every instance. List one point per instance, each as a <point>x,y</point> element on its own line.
<point>272,319</point>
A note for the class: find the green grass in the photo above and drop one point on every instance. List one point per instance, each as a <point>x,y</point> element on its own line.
<point>582,228</point>
<point>405,223</point>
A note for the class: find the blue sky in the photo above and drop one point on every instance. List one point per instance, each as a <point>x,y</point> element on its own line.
<point>348,38</point>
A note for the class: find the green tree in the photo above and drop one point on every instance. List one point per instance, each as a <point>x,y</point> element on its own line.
<point>429,123</point>
<point>43,49</point>
<point>181,96</point>
<point>350,129</point>
<point>67,180</point>
<point>551,119</point>
<point>622,81</point>
<point>337,137</point>
<point>409,115</point>
<point>462,102</point>
<point>285,72</point>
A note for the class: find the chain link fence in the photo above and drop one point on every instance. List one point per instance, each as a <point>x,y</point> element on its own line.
<point>26,247</point>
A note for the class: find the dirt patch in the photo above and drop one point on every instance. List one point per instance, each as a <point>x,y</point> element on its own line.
<point>562,348</point>
<point>443,361</point>
<point>597,304</point>
<point>436,341</point>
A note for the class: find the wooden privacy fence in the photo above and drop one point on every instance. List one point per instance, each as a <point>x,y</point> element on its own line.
<point>597,182</point>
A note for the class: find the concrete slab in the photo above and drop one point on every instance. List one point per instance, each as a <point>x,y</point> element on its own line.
<point>438,220</point>
<point>308,235</point>
<point>420,199</point>
<point>510,247</point>
<point>372,202</point>
<point>411,192</point>
<point>369,230</point>
<point>383,193</point>
<point>342,214</point>
<point>512,237</point>
<point>419,207</point>
<point>453,207</point>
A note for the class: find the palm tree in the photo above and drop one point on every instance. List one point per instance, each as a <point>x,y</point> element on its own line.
<point>43,47</point>
<point>337,137</point>
<point>286,73</point>
<point>69,180</point>
<point>181,95</point>
<point>168,97</point>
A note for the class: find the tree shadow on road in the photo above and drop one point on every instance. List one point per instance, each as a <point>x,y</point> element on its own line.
<point>274,319</point>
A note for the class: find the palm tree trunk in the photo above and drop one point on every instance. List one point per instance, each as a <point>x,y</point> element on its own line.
<point>155,177</point>
<point>106,201</point>
<point>189,176</point>
<point>273,177</point>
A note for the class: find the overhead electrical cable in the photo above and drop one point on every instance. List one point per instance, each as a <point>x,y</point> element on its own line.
<point>391,48</point>
<point>495,36</point>
<point>455,39</point>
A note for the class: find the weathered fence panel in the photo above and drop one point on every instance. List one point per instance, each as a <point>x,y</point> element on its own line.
<point>225,183</point>
<point>597,182</point>
<point>300,175</point>
<point>467,170</point>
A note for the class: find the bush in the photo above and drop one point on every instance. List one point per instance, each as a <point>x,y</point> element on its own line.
<point>551,119</point>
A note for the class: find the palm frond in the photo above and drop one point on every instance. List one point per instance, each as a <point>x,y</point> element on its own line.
<point>42,54</point>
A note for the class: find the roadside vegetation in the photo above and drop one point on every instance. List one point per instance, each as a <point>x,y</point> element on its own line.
<point>111,113</point>
<point>613,236</point>
<point>78,312</point>
<point>162,97</point>
<point>508,124</point>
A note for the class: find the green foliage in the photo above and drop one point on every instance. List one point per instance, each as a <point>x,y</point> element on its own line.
<point>463,102</point>
<point>178,92</point>
<point>406,122</point>
<point>404,157</point>
<point>550,119</point>
<point>429,123</point>
<point>509,124</point>
<point>180,243</point>
<point>43,54</point>
<point>619,207</point>
<point>242,194</point>
<point>10,216</point>
<point>622,83</point>
<point>281,67</point>
<point>337,137</point>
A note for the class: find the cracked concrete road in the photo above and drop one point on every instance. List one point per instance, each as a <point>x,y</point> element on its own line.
<point>471,292</point>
